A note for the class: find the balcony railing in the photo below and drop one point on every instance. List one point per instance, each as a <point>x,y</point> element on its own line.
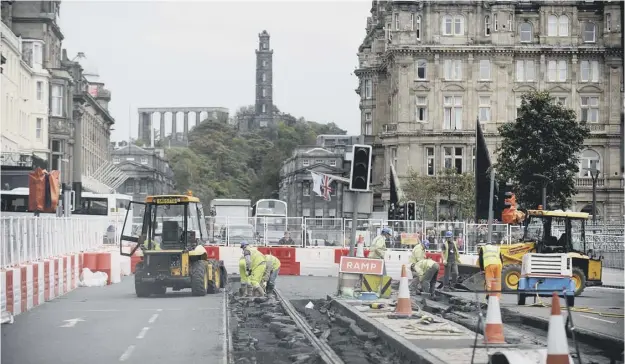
<point>587,182</point>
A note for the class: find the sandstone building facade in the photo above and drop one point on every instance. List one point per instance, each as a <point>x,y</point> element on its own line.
<point>429,69</point>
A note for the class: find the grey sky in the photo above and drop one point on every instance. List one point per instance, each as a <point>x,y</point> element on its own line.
<point>202,54</point>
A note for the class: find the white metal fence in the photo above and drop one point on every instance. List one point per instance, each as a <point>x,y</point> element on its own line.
<point>25,239</point>
<point>33,238</point>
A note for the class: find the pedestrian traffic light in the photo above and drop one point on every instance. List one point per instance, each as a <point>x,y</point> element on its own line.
<point>361,168</point>
<point>412,210</point>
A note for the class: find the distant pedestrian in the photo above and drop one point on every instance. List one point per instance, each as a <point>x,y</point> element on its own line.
<point>451,257</point>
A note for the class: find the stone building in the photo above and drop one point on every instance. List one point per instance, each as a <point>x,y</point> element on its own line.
<point>428,70</point>
<point>23,99</point>
<point>331,155</point>
<point>147,169</point>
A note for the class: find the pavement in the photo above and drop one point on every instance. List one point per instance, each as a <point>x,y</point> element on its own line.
<point>602,301</point>
<point>104,325</point>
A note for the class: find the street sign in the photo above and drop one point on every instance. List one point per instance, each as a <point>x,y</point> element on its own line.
<point>355,265</point>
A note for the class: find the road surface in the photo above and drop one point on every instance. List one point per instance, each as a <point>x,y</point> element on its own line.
<point>599,299</point>
<point>104,325</point>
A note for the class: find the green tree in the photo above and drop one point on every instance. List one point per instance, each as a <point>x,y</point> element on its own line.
<point>220,162</point>
<point>545,139</point>
<point>458,189</point>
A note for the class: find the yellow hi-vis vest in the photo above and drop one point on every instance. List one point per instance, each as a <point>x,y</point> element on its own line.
<point>273,263</point>
<point>490,255</point>
<point>257,258</point>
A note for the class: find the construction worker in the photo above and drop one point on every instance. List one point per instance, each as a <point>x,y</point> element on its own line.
<point>491,263</point>
<point>255,267</point>
<point>271,271</point>
<point>243,291</point>
<point>425,271</point>
<point>377,250</point>
<point>451,257</point>
<point>418,254</point>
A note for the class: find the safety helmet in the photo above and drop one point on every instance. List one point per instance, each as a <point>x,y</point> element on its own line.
<point>244,244</point>
<point>449,234</point>
<point>385,230</point>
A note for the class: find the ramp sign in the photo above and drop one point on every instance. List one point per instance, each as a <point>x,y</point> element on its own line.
<point>355,265</point>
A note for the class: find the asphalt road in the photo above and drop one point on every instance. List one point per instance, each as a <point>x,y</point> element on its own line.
<point>600,300</point>
<point>117,327</point>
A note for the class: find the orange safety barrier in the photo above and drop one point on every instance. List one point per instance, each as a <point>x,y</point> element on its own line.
<point>23,286</point>
<point>438,258</point>
<point>57,277</point>
<point>46,280</point>
<point>213,251</point>
<point>286,255</point>
<point>90,261</point>
<point>35,284</point>
<point>338,253</point>
<point>104,264</point>
<point>9,291</point>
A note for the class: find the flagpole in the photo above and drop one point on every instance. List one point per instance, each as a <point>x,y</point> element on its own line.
<point>475,172</point>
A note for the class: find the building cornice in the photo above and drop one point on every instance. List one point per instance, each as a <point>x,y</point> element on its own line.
<point>47,20</point>
<point>85,97</point>
<point>503,50</point>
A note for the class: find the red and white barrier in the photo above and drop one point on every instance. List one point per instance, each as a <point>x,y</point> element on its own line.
<point>31,284</point>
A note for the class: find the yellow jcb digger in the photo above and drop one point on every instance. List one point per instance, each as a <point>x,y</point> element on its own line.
<point>541,235</point>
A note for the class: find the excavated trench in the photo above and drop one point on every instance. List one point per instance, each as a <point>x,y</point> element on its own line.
<point>345,337</point>
<point>262,333</point>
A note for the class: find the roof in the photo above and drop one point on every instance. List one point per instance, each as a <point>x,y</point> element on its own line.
<point>131,149</point>
<point>559,213</point>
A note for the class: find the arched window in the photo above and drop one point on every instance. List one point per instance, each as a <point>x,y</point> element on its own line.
<point>525,32</point>
<point>588,209</point>
<point>552,26</point>
<point>589,32</point>
<point>589,161</point>
<point>487,25</point>
<point>563,26</point>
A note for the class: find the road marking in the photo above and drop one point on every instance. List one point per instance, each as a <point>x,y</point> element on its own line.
<point>72,322</point>
<point>160,309</point>
<point>143,332</point>
<point>598,319</point>
<point>153,318</point>
<point>127,353</point>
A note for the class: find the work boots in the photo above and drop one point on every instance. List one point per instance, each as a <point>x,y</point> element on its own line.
<point>243,290</point>
<point>248,290</point>
<point>269,288</point>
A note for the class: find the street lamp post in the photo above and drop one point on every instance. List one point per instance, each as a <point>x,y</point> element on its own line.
<point>544,189</point>
<point>594,174</point>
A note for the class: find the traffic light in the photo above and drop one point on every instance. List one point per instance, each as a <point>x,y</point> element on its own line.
<point>391,212</point>
<point>412,210</point>
<point>401,213</point>
<point>361,168</point>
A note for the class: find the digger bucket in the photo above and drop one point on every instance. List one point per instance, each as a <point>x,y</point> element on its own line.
<point>475,282</point>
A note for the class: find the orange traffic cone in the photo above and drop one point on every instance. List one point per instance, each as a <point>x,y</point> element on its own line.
<point>493,330</point>
<point>557,343</point>
<point>404,304</point>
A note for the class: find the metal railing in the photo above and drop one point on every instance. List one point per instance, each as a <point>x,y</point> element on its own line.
<point>34,238</point>
<point>28,239</point>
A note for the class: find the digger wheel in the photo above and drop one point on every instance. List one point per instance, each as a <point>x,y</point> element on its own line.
<point>212,284</point>
<point>141,289</point>
<point>510,276</point>
<point>580,281</point>
<point>199,278</point>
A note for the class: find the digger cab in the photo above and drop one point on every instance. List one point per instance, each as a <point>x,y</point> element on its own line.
<point>171,241</point>
<point>565,232</point>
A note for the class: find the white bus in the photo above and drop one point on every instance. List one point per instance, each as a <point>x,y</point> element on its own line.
<point>111,208</point>
<point>271,220</point>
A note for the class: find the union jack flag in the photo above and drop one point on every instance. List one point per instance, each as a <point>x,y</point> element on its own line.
<point>325,186</point>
